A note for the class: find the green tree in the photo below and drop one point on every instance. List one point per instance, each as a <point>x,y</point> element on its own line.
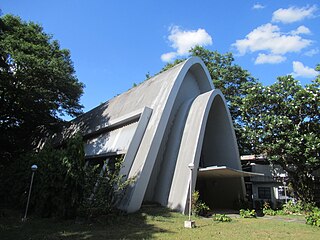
<point>37,84</point>
<point>283,122</point>
<point>59,183</point>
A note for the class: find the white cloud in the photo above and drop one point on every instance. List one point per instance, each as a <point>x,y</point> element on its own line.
<point>183,40</point>
<point>293,14</point>
<point>258,6</point>
<point>299,70</point>
<point>301,30</point>
<point>269,58</point>
<point>312,52</point>
<point>269,38</point>
<point>167,57</point>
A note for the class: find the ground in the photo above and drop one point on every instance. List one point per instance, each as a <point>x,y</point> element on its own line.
<point>156,223</point>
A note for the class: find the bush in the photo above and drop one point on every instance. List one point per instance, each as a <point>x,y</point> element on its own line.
<point>221,218</point>
<point>198,207</point>
<point>270,212</point>
<point>298,208</point>
<point>62,186</point>
<point>313,217</point>
<point>58,184</point>
<point>60,179</point>
<point>248,213</point>
<point>293,208</point>
<point>104,190</point>
<point>267,210</point>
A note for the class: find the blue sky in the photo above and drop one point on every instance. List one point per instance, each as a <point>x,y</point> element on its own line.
<point>115,43</point>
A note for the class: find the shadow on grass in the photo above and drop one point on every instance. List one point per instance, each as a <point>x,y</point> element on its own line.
<point>130,226</point>
<point>140,225</point>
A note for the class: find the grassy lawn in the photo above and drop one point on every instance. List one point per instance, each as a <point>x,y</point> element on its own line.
<point>157,223</point>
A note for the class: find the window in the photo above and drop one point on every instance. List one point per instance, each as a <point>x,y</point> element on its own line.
<point>264,192</point>
<point>281,191</point>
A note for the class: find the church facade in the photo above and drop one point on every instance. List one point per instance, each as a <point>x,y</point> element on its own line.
<point>161,126</point>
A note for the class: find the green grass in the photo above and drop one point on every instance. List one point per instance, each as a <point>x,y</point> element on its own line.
<point>157,223</point>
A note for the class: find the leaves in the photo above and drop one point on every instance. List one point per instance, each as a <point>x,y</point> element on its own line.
<point>37,83</point>
<point>282,121</point>
<point>59,190</point>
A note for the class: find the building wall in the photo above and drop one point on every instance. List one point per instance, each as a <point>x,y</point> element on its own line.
<point>267,188</point>
<point>162,126</point>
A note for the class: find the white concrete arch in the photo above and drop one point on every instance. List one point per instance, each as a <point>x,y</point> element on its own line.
<point>191,79</point>
<point>161,126</point>
<point>206,107</point>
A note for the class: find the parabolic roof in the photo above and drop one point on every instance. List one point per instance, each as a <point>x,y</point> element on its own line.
<point>161,126</point>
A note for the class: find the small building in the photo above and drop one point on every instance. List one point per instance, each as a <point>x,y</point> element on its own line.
<point>161,126</point>
<point>272,187</point>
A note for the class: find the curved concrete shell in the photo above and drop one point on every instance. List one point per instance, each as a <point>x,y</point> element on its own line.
<point>162,125</point>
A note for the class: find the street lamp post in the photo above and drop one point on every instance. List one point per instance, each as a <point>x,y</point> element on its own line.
<point>34,169</point>
<point>190,223</point>
<point>282,175</point>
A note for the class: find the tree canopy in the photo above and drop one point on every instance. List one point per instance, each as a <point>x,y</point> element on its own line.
<point>283,121</point>
<point>38,84</point>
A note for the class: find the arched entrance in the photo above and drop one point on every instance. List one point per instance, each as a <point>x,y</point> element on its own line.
<point>209,143</point>
<point>220,187</point>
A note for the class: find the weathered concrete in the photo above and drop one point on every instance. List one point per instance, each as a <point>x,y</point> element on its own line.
<point>162,125</point>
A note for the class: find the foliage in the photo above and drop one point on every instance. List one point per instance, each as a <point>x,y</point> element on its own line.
<point>63,187</point>
<point>313,217</point>
<point>104,189</point>
<point>155,223</point>
<point>198,207</point>
<point>293,208</point>
<point>170,65</point>
<point>298,207</point>
<point>248,213</point>
<point>60,179</point>
<point>290,208</point>
<point>37,84</point>
<point>283,122</point>
<point>267,210</point>
<point>58,182</point>
<point>312,213</point>
<point>221,218</point>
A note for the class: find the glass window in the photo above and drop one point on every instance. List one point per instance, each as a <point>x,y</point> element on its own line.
<point>264,192</point>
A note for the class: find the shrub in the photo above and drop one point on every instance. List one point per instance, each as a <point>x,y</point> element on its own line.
<point>267,210</point>
<point>221,218</point>
<point>60,179</point>
<point>58,183</point>
<point>198,207</point>
<point>104,190</point>
<point>293,208</point>
<point>270,212</point>
<point>62,185</point>
<point>280,212</point>
<point>298,208</point>
<point>248,213</point>
<point>313,217</point>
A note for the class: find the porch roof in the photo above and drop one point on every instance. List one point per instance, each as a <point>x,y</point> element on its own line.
<point>224,172</point>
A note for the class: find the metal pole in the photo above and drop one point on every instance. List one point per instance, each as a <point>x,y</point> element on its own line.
<point>285,191</point>
<point>25,215</point>
<point>190,201</point>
